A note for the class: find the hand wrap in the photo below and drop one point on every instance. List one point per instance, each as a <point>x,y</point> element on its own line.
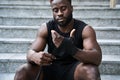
<point>68,46</point>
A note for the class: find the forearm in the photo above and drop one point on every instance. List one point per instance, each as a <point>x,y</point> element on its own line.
<point>30,56</point>
<point>89,56</point>
<point>92,56</point>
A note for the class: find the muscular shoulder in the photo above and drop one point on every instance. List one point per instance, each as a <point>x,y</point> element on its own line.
<point>88,31</point>
<point>42,31</point>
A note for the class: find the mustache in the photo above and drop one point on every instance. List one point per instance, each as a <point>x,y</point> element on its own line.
<point>59,18</point>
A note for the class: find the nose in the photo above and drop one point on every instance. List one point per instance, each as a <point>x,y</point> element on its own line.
<point>60,13</point>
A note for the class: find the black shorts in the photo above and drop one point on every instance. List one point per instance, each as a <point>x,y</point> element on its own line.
<point>59,71</point>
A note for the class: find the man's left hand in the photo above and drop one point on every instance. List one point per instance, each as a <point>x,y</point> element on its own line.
<point>57,38</point>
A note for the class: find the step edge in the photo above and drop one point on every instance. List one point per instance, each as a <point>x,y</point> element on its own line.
<point>51,17</point>
<point>36,27</point>
<point>29,40</point>
<point>22,57</point>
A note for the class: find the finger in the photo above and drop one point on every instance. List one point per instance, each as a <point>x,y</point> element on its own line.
<point>45,61</point>
<point>53,57</point>
<point>72,33</point>
<point>41,62</point>
<point>38,62</point>
<point>55,34</point>
<point>48,59</point>
<point>45,64</point>
<point>47,54</point>
<point>50,56</point>
<point>45,57</point>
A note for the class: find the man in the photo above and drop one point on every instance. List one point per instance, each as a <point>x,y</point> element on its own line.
<point>73,52</point>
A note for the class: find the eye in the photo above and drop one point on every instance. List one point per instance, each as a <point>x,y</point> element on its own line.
<point>55,10</point>
<point>64,8</point>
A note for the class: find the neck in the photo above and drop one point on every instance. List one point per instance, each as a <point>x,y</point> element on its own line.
<point>67,28</point>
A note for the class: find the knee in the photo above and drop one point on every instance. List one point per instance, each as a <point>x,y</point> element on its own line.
<point>21,72</point>
<point>90,72</point>
<point>26,72</point>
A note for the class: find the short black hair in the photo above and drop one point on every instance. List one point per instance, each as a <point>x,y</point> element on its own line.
<point>67,0</point>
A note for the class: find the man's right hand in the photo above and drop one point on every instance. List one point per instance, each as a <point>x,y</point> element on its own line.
<point>43,58</point>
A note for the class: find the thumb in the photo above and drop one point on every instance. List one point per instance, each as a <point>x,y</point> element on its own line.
<point>72,33</point>
<point>55,34</point>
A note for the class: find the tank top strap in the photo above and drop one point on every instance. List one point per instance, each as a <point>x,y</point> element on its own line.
<point>50,26</point>
<point>79,24</point>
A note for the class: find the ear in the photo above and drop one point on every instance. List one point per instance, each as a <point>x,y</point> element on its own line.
<point>71,8</point>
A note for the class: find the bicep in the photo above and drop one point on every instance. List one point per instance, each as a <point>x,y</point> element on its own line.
<point>89,39</point>
<point>40,41</point>
<point>39,44</point>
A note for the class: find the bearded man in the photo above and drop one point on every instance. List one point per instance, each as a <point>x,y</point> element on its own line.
<point>73,51</point>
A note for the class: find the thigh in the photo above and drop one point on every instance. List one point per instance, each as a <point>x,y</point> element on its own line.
<point>86,72</point>
<point>27,72</point>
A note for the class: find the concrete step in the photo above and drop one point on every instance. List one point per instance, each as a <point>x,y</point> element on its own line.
<point>21,45</point>
<point>46,2</point>
<point>7,76</point>
<point>10,76</point>
<point>110,46</point>
<point>105,32</point>
<point>91,0</point>
<point>26,11</point>
<point>37,20</point>
<point>18,31</point>
<point>110,77</point>
<point>110,64</point>
<point>14,45</point>
<point>10,62</point>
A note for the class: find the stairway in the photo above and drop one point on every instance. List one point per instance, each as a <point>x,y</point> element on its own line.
<point>20,19</point>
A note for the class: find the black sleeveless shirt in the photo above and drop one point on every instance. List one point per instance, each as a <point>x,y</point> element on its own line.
<point>62,68</point>
<point>78,42</point>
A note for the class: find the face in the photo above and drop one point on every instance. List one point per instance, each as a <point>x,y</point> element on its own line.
<point>62,12</point>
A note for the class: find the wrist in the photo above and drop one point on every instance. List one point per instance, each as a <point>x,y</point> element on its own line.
<point>68,46</point>
<point>30,56</point>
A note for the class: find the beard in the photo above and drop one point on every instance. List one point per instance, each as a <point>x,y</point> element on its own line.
<point>65,22</point>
